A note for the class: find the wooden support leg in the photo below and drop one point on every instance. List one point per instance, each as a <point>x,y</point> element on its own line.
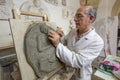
<point>1,73</point>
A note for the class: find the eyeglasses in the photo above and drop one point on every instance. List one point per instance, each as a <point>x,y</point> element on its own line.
<point>79,16</point>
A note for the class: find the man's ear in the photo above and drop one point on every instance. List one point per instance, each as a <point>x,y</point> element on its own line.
<point>91,19</point>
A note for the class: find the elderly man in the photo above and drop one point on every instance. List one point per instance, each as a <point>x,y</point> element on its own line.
<point>81,46</point>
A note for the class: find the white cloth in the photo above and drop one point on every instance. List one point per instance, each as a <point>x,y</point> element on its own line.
<point>80,54</point>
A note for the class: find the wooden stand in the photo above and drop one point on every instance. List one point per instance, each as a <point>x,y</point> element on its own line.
<point>17,14</point>
<point>18,28</point>
<point>1,73</point>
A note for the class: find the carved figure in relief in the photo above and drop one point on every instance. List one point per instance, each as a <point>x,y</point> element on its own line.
<point>40,53</point>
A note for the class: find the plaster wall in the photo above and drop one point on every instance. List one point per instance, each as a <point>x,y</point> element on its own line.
<point>106,25</point>
<point>60,13</point>
<point>104,9</point>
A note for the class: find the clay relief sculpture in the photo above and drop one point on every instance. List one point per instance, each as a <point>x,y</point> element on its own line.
<point>36,6</point>
<point>64,2</point>
<point>39,51</point>
<point>53,2</point>
<point>5,9</point>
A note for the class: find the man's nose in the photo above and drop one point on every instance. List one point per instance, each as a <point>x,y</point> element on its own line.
<point>75,19</point>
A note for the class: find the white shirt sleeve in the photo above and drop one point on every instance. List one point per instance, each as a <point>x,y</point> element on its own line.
<point>81,58</point>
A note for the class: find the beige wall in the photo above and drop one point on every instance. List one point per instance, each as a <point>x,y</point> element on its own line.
<point>61,14</point>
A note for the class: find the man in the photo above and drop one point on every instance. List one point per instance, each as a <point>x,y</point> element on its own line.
<point>83,44</point>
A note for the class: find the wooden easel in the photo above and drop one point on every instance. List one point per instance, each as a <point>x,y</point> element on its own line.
<point>17,14</point>
<point>18,31</point>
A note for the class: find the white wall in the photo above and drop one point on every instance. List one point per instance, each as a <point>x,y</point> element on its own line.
<point>106,25</point>
<point>59,14</point>
<point>104,9</point>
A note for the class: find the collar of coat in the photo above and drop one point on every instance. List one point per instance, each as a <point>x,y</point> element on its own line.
<point>87,35</point>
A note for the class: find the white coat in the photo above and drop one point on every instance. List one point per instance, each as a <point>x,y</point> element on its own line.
<point>80,54</point>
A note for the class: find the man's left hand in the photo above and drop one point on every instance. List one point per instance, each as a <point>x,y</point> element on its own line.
<point>54,37</point>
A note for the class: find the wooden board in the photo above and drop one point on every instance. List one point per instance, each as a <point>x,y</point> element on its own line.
<point>1,73</point>
<point>5,35</point>
<point>19,28</point>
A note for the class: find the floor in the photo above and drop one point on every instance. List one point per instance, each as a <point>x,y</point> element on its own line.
<point>7,67</point>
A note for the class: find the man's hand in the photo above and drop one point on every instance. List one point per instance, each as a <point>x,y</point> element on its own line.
<point>54,37</point>
<point>60,31</point>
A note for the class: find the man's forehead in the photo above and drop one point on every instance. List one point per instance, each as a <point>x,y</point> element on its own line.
<point>83,8</point>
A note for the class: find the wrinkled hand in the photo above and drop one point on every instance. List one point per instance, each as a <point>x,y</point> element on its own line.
<point>60,31</point>
<point>54,37</point>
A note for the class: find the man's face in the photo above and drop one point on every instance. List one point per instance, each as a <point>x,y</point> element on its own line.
<point>81,19</point>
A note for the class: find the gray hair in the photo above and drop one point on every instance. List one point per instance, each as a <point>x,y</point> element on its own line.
<point>92,12</point>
